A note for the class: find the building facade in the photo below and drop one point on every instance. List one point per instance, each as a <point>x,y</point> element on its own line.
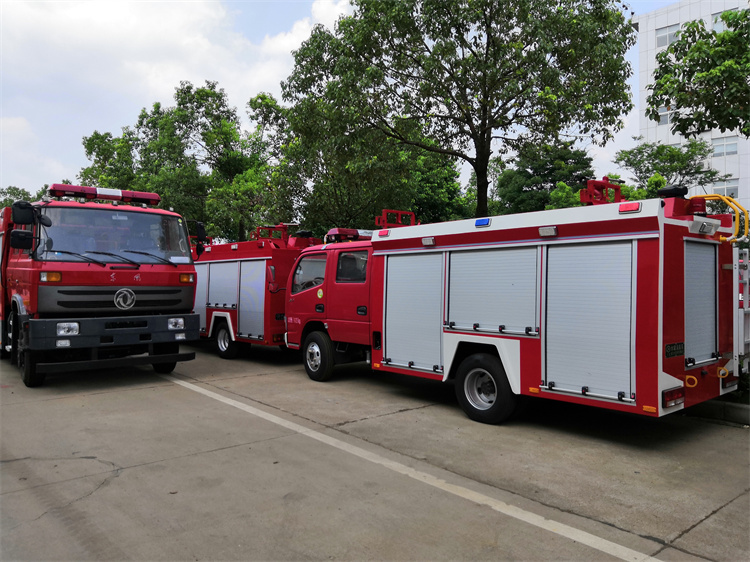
<point>731,151</point>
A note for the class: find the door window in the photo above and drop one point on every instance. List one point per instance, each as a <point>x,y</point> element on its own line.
<point>352,267</point>
<point>310,273</point>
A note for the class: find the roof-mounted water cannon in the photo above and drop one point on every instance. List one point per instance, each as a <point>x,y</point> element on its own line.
<point>91,193</point>
<point>597,192</point>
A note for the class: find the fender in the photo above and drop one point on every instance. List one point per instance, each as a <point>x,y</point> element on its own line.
<point>227,317</point>
<point>509,351</point>
<point>18,301</point>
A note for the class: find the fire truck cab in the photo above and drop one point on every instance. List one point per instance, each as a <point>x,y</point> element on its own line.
<point>89,281</point>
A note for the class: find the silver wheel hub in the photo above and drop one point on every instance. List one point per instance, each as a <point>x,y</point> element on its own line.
<point>223,340</point>
<point>313,356</point>
<point>480,389</point>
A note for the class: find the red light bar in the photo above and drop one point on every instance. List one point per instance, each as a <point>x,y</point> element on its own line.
<point>343,234</point>
<point>64,190</point>
<point>630,208</point>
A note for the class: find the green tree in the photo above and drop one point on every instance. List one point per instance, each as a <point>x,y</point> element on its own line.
<point>536,172</point>
<point>472,74</point>
<point>113,160</point>
<point>703,78</point>
<point>677,165</point>
<point>338,174</point>
<point>190,154</point>
<point>11,194</point>
<point>563,196</point>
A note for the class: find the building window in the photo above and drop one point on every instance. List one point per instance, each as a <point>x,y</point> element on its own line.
<point>718,24</point>
<point>725,146</point>
<point>667,35</point>
<point>729,188</point>
<point>665,116</point>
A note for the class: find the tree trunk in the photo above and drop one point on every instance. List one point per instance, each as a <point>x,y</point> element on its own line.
<point>483,184</point>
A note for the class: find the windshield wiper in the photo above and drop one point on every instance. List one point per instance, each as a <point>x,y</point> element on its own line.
<point>88,259</point>
<point>123,258</point>
<point>159,258</point>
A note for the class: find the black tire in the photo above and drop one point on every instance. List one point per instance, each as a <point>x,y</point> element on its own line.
<point>164,368</point>
<point>223,343</point>
<point>483,390</point>
<point>168,348</point>
<point>29,374</point>
<point>317,354</point>
<point>5,346</point>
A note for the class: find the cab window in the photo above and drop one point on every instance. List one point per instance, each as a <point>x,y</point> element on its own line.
<point>310,272</point>
<point>352,267</point>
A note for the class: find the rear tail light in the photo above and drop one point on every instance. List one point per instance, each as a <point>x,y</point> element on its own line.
<point>673,397</point>
<point>729,382</point>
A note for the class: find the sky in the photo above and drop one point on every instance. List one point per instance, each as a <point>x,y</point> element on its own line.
<point>72,67</point>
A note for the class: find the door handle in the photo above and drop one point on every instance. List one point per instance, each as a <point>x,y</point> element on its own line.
<point>362,310</point>
<point>319,308</point>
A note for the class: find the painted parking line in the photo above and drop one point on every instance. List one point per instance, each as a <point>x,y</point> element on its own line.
<point>598,543</point>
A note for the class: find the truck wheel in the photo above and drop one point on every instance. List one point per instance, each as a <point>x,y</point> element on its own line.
<point>225,347</point>
<point>29,376</point>
<point>318,352</point>
<point>165,349</point>
<point>483,390</point>
<point>164,368</point>
<point>6,339</point>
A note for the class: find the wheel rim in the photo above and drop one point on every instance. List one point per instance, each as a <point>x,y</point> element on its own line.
<point>223,340</point>
<point>480,389</point>
<point>313,356</point>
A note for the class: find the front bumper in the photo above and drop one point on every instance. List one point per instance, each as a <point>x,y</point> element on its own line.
<point>114,331</point>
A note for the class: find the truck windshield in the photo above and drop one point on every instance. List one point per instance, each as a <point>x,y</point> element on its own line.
<point>79,234</point>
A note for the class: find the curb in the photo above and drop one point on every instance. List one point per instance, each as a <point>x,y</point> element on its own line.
<point>723,411</point>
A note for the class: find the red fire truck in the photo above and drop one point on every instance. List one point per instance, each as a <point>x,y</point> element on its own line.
<point>630,306</point>
<point>89,281</point>
<point>240,293</point>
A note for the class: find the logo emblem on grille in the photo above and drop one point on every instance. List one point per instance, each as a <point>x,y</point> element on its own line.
<point>124,299</point>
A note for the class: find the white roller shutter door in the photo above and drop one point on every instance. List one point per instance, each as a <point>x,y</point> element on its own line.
<point>252,298</point>
<point>413,310</point>
<point>700,301</point>
<point>490,288</point>
<point>589,318</point>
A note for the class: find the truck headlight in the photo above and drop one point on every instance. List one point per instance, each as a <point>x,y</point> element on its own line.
<point>67,328</point>
<point>176,323</point>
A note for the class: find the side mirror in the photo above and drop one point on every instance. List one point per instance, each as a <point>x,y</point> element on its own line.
<point>199,249</point>
<point>21,239</point>
<point>200,231</point>
<point>22,212</point>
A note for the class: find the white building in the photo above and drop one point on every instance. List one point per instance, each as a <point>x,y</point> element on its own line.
<point>657,29</point>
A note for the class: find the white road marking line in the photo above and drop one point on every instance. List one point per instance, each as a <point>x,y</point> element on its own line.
<point>598,543</point>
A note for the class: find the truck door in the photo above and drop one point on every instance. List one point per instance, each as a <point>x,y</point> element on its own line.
<point>349,297</point>
<point>307,295</point>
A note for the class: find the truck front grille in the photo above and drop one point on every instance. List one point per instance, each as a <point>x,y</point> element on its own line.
<point>56,300</point>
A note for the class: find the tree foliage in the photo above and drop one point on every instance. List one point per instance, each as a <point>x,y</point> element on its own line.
<point>193,154</point>
<point>471,74</point>
<point>703,78</point>
<point>526,184</point>
<point>677,165</point>
<point>338,174</point>
<point>11,194</point>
